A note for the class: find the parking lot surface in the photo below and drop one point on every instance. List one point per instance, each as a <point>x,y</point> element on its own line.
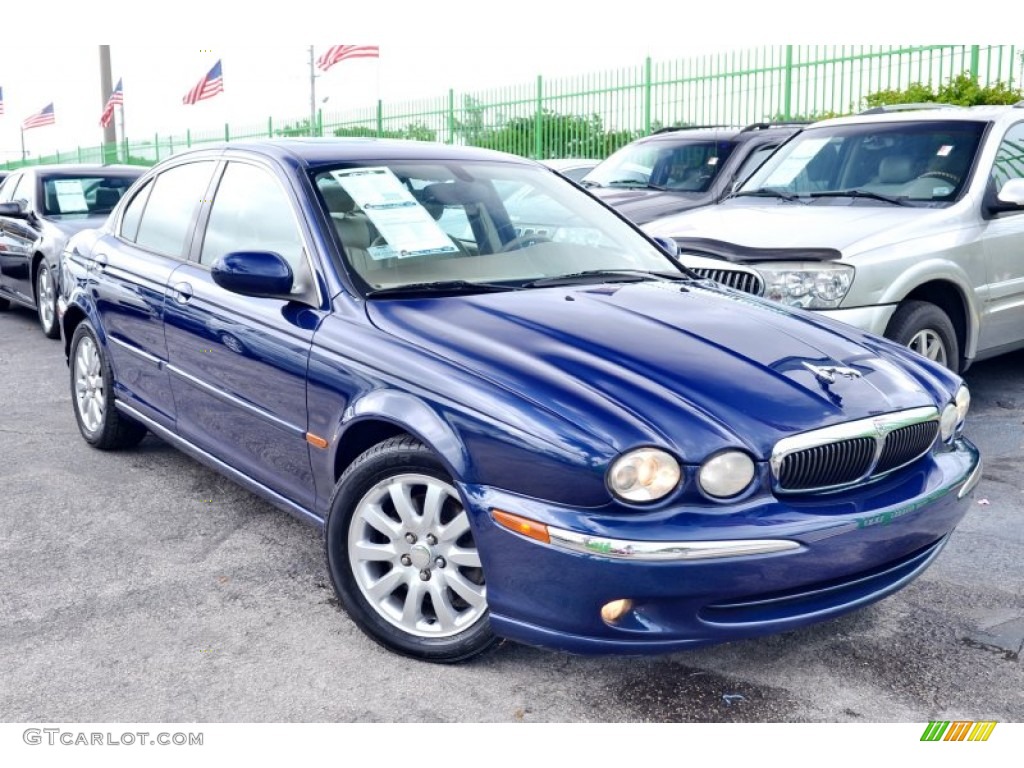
<point>142,587</point>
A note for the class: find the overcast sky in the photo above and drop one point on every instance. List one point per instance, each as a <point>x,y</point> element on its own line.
<point>426,48</point>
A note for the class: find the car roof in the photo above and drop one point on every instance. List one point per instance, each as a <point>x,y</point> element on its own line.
<point>313,152</point>
<point>83,168</point>
<point>943,113</point>
<point>721,132</point>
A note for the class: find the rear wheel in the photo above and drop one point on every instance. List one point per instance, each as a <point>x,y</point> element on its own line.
<point>927,330</point>
<point>92,394</point>
<point>46,301</point>
<point>402,557</point>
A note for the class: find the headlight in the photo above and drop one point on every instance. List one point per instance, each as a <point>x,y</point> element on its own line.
<point>962,401</point>
<point>726,474</point>
<point>645,474</point>
<point>808,285</point>
<point>948,422</point>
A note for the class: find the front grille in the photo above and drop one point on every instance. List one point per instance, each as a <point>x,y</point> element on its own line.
<point>828,465</point>
<point>905,444</point>
<point>857,451</point>
<point>747,282</point>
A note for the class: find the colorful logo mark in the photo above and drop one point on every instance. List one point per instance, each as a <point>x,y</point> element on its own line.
<point>958,730</point>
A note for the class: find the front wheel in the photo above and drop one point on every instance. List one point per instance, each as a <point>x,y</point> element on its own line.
<point>927,330</point>
<point>402,558</point>
<point>92,395</point>
<point>46,301</point>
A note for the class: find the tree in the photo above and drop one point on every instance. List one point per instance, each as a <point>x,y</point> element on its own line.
<point>963,90</point>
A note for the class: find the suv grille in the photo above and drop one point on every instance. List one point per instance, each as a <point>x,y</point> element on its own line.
<point>858,451</point>
<point>747,282</point>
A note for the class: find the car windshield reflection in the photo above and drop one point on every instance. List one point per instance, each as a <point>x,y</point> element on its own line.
<point>406,224</point>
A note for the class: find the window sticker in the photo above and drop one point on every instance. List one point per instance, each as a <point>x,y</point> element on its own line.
<point>70,198</point>
<point>712,161</point>
<point>944,150</point>
<point>407,226</point>
<point>790,168</point>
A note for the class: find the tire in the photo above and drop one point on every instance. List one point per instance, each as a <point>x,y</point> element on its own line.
<point>408,574</point>
<point>92,396</point>
<point>46,301</point>
<point>927,330</point>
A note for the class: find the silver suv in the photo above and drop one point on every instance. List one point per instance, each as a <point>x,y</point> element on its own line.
<point>906,222</point>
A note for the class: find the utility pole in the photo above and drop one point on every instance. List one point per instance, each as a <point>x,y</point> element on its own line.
<point>106,88</point>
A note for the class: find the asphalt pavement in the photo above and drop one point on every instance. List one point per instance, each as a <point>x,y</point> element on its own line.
<point>140,586</point>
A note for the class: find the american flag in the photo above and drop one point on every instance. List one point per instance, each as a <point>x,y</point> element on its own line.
<point>42,117</point>
<point>337,53</point>
<point>117,97</point>
<point>211,84</point>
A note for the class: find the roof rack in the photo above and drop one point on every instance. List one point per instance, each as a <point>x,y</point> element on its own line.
<point>774,124</point>
<point>689,128</point>
<point>881,110</point>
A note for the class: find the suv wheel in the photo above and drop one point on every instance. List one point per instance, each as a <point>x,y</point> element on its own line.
<point>927,330</point>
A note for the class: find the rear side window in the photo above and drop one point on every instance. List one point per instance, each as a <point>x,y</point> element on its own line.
<point>170,211</point>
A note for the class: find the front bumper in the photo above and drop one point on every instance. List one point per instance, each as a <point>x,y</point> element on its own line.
<point>843,551</point>
<point>872,319</point>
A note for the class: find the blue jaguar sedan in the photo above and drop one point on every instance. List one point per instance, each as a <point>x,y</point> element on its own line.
<point>510,422</point>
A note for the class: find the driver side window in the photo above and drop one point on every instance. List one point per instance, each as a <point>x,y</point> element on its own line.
<point>252,212</point>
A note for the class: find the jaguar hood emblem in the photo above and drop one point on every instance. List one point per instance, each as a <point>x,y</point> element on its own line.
<point>826,374</point>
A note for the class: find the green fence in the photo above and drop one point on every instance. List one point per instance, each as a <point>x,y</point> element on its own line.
<point>593,115</point>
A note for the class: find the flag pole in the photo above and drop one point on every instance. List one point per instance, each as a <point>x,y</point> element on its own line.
<point>23,144</point>
<point>124,137</point>
<point>312,93</point>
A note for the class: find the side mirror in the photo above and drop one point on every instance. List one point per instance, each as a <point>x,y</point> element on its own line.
<point>15,210</point>
<point>253,273</point>
<point>668,245</point>
<point>1012,193</point>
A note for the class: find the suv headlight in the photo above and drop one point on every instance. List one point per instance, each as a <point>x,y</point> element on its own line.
<point>646,474</point>
<point>807,285</point>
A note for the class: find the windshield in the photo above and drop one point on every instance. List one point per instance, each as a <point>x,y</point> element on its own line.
<point>420,223</point>
<point>922,162</point>
<point>685,166</point>
<point>76,196</point>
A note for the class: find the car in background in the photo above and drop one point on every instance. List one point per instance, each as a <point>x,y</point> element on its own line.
<point>678,169</point>
<point>40,208</point>
<point>568,441</point>
<point>573,169</point>
<point>906,221</point>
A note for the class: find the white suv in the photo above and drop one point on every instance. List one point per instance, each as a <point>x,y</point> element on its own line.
<point>907,223</point>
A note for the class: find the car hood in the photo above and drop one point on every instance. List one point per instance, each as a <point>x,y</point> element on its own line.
<point>848,228</point>
<point>69,227</point>
<point>643,205</point>
<point>688,365</point>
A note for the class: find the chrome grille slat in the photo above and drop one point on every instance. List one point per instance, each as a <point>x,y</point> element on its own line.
<point>745,282</point>
<point>904,445</point>
<point>838,456</point>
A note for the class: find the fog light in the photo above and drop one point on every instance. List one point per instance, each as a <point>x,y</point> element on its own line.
<point>615,610</point>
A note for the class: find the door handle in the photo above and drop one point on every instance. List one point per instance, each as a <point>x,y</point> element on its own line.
<point>100,260</point>
<point>181,292</point>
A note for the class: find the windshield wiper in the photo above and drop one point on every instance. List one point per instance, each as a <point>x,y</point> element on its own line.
<point>789,197</point>
<point>451,287</point>
<point>861,193</point>
<point>605,276</point>
<point>633,183</point>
